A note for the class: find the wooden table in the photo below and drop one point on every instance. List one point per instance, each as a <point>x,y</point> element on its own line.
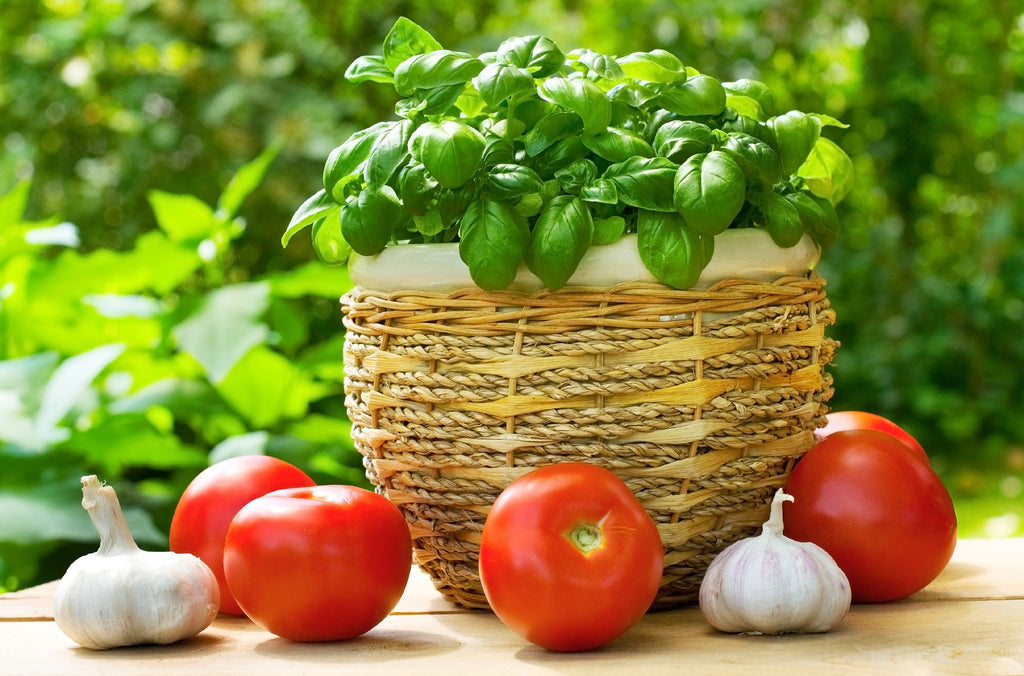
<point>969,621</point>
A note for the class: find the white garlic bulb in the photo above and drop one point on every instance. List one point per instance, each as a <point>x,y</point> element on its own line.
<point>121,595</point>
<point>772,584</point>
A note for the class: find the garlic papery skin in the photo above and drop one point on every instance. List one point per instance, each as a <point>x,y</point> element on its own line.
<point>121,595</point>
<point>772,584</point>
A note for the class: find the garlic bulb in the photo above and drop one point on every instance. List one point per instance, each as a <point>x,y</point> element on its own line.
<point>121,595</point>
<point>771,584</point>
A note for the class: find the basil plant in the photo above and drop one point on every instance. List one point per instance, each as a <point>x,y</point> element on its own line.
<point>531,154</point>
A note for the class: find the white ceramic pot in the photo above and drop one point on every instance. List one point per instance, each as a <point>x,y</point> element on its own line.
<point>749,253</point>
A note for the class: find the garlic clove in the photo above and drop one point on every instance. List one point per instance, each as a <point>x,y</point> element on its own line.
<point>771,584</point>
<point>121,595</point>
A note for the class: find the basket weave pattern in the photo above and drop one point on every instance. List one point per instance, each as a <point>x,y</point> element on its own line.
<point>700,400</point>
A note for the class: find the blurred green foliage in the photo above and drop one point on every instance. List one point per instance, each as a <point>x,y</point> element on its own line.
<point>166,325</point>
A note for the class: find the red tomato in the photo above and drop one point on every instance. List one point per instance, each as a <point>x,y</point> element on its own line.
<point>318,564</point>
<point>569,558</point>
<point>861,420</point>
<point>877,508</point>
<point>207,506</point>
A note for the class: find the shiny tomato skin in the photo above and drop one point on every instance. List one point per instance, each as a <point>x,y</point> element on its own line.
<point>838,421</point>
<point>326,563</point>
<point>877,508</point>
<point>541,585</point>
<point>212,499</point>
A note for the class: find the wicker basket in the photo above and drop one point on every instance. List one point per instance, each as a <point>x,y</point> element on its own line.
<point>700,400</point>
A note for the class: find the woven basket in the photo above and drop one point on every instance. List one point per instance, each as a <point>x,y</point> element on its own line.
<point>700,400</point>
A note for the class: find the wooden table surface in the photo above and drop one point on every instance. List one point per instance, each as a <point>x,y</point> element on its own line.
<point>969,621</point>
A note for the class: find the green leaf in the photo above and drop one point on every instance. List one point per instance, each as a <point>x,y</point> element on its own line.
<point>709,192</point>
<point>368,220</point>
<point>601,65</point>
<point>493,243</point>
<point>310,279</point>
<point>66,386</point>
<point>828,171</point>
<point>757,159</point>
<point>578,174</point>
<point>184,218</point>
<point>225,326</point>
<point>265,387</point>
<point>369,69</point>
<point>756,91</point>
<point>404,40</point>
<point>345,159</point>
<point>537,54</point>
<point>582,97</point>
<point>644,182</point>
<point>601,191</point>
<point>781,219</point>
<point>316,207</point>
<point>680,139</point>
<point>793,135</point>
<point>441,68</point>
<point>701,95</point>
<point>130,440</point>
<point>549,130</point>
<point>818,216</point>
<point>329,243</point>
<point>672,251</point>
<point>512,181</point>
<point>450,150</point>
<point>416,188</point>
<point>245,181</point>
<point>562,234</point>
<point>655,66</point>
<point>388,152</point>
<point>617,145</point>
<point>609,230</point>
<point>498,82</point>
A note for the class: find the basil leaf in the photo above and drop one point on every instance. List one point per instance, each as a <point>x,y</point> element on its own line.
<point>654,66</point>
<point>709,192</point>
<point>316,207</point>
<point>671,250</point>
<point>369,69</point>
<point>757,159</point>
<point>451,151</point>
<point>498,82</point>
<point>828,171</point>
<point>793,136</point>
<point>537,54</point>
<point>701,95</point>
<point>616,145</point>
<point>781,219</point>
<point>346,158</point>
<point>582,97</point>
<point>603,66</point>
<point>632,94</point>
<point>644,182</point>
<point>560,155</point>
<point>601,191</point>
<point>441,68</point>
<point>679,139</point>
<point>429,101</point>
<point>416,188</point>
<point>368,220</point>
<point>818,216</point>
<point>576,175</point>
<point>512,181</point>
<point>756,91</point>
<point>562,234</point>
<point>388,152</point>
<point>549,129</point>
<point>494,240</point>
<point>609,230</point>
<point>328,243</point>
<point>406,39</point>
